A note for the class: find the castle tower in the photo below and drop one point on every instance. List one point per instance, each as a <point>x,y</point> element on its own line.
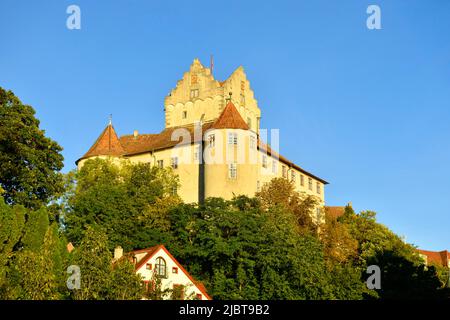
<point>200,97</point>
<point>230,156</point>
<point>107,145</point>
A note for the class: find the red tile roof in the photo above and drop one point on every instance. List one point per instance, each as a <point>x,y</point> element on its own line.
<point>107,144</point>
<point>334,212</point>
<point>150,142</point>
<point>265,147</point>
<point>440,258</point>
<point>230,118</point>
<point>142,143</point>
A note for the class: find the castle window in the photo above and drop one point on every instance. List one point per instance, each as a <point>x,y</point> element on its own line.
<point>284,172</point>
<point>175,270</point>
<point>302,180</point>
<point>160,163</point>
<point>212,140</point>
<point>174,190</point>
<point>318,187</point>
<point>160,267</point>
<point>199,296</point>
<point>258,186</point>
<point>274,166</point>
<point>148,266</point>
<point>196,153</point>
<point>232,138</point>
<point>310,183</point>
<point>194,93</point>
<point>264,161</point>
<point>175,162</point>
<point>293,176</point>
<point>252,142</point>
<point>318,215</point>
<point>232,170</point>
<point>184,114</point>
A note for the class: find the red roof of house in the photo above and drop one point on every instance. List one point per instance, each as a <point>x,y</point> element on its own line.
<point>153,250</point>
<point>230,118</point>
<point>440,258</point>
<point>334,212</point>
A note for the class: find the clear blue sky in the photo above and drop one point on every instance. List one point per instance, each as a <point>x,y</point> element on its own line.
<point>367,110</point>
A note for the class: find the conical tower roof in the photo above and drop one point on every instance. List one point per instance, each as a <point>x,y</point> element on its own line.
<point>107,144</point>
<point>230,119</point>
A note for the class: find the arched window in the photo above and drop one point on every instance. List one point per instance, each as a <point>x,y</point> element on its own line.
<point>160,267</point>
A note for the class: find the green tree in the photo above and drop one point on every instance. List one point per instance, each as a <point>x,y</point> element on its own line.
<point>12,220</point>
<point>118,199</point>
<point>31,162</point>
<point>125,284</point>
<point>281,192</point>
<point>36,270</point>
<point>100,278</point>
<point>31,255</point>
<point>403,279</point>
<point>241,251</point>
<point>403,274</point>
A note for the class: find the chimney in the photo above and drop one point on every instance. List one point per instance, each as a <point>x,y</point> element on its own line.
<point>135,134</point>
<point>70,247</point>
<point>118,253</point>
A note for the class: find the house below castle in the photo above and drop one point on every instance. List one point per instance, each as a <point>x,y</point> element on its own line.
<point>157,264</point>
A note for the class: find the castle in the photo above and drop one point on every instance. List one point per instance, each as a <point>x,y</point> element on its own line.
<point>212,140</point>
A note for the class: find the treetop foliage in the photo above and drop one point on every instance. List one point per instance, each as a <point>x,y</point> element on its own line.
<point>30,161</point>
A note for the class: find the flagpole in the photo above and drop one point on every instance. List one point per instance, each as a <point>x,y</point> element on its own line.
<point>211,64</point>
